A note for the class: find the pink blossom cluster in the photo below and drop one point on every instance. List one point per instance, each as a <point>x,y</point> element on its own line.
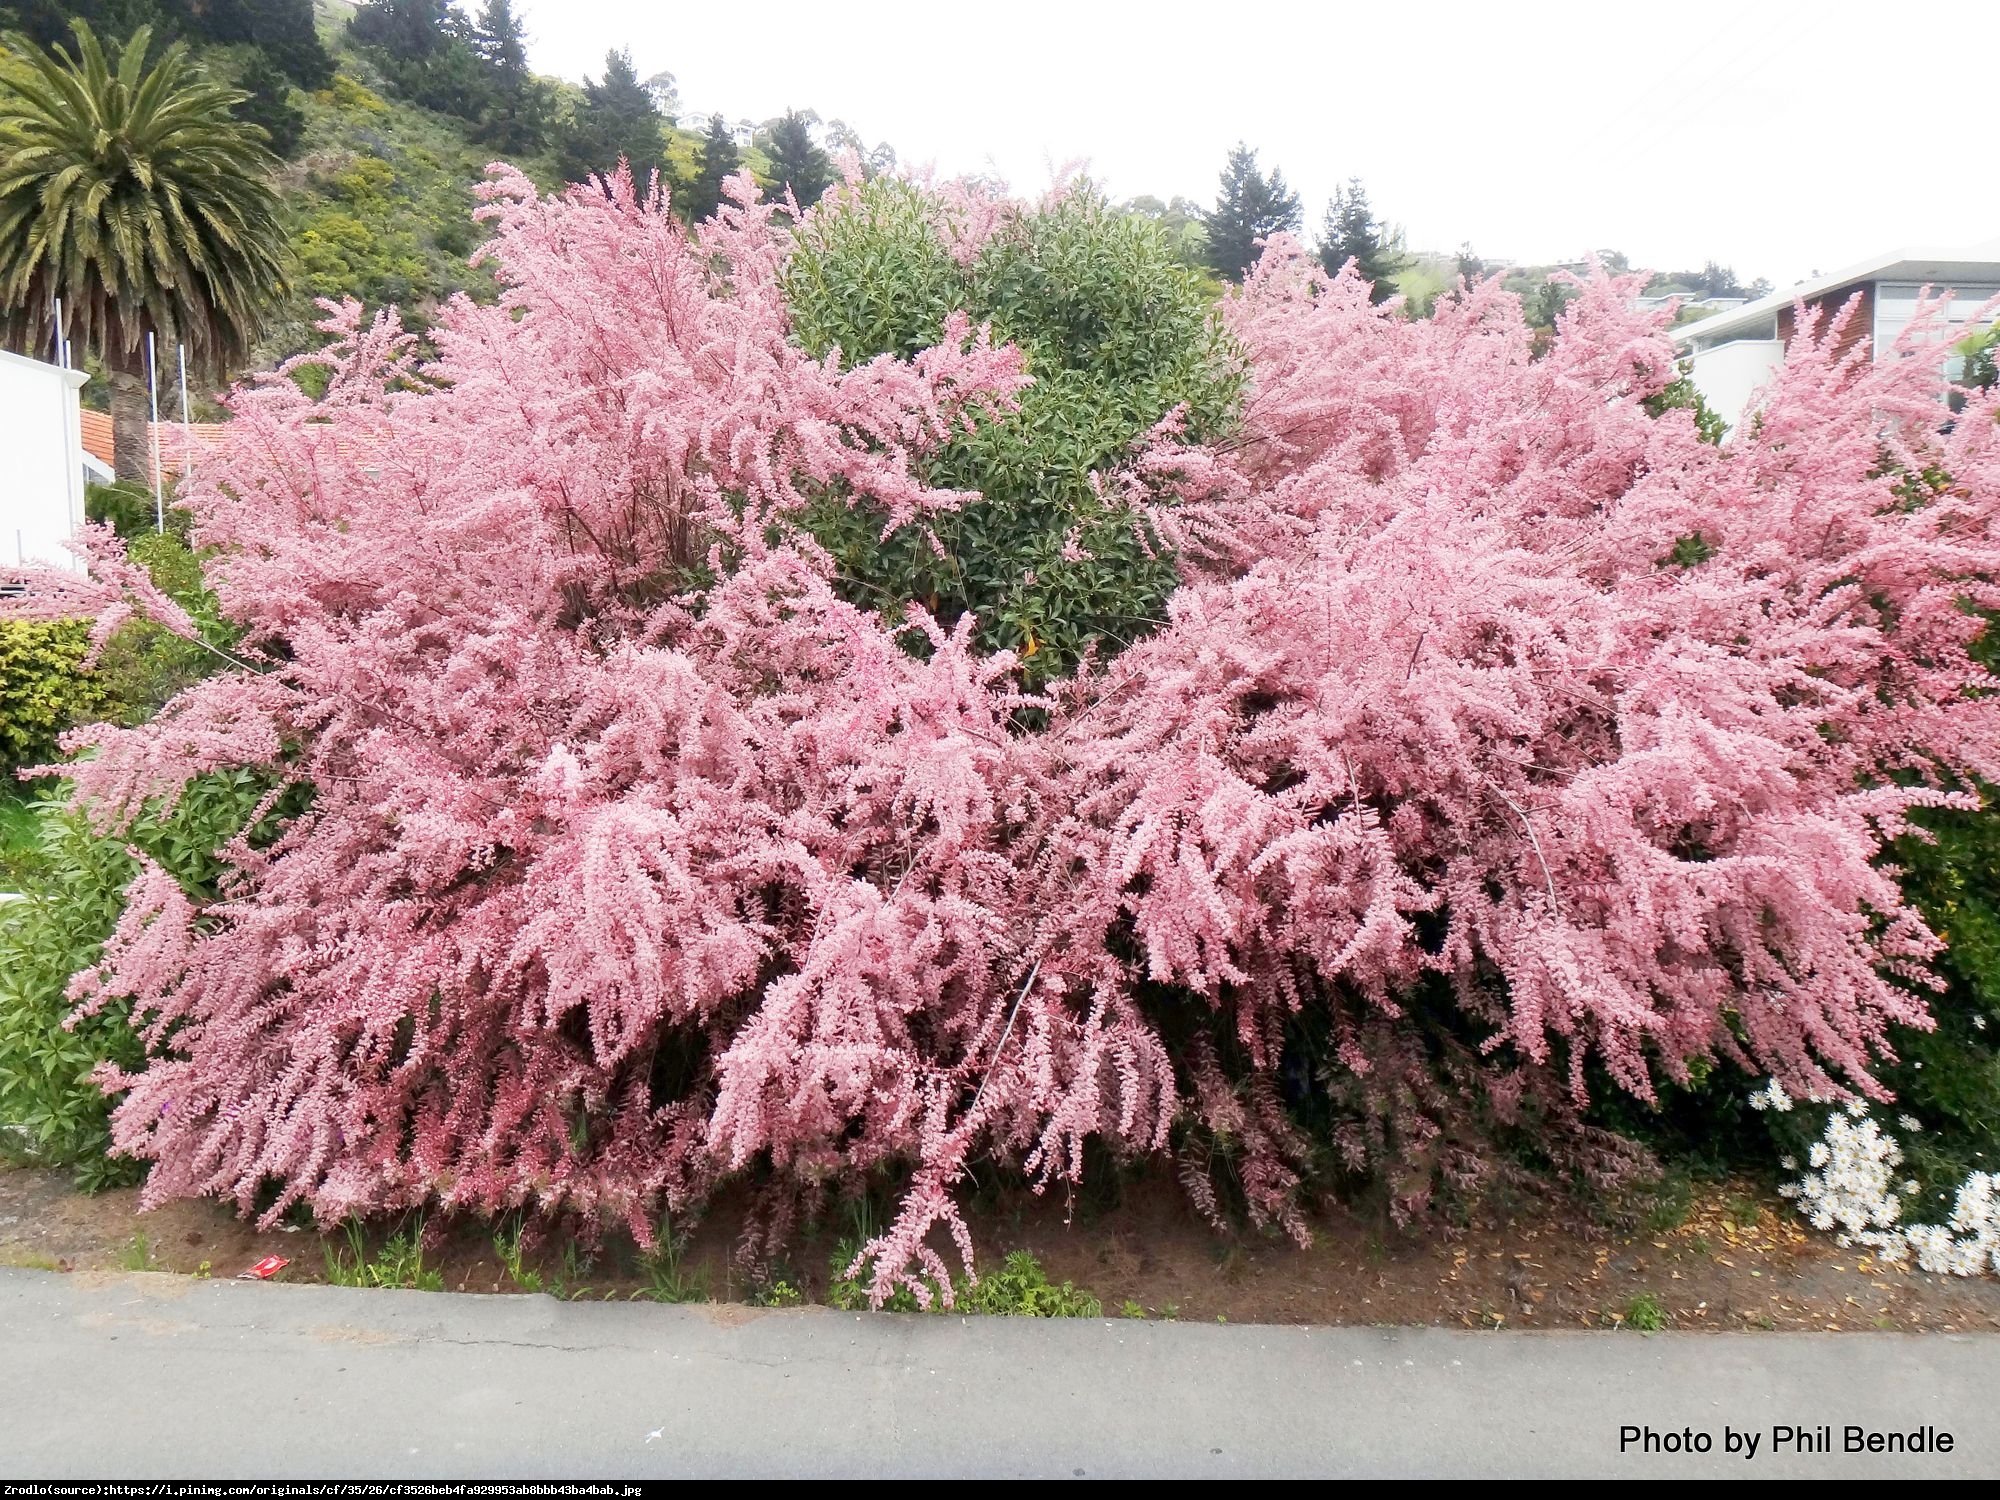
<point>637,860</point>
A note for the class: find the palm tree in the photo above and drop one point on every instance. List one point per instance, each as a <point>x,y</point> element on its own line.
<point>136,197</point>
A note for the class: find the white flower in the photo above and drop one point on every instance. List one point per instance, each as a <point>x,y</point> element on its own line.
<point>1910,1123</point>
<point>1771,1096</point>
<point>1979,1023</point>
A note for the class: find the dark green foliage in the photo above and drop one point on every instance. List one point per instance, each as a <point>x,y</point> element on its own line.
<point>798,165</point>
<point>1350,232</point>
<point>1949,1079</point>
<point>50,1110</point>
<point>515,116</point>
<point>618,120</point>
<point>1116,334</point>
<point>284,31</point>
<point>270,106</point>
<point>720,160</point>
<point>1249,207</point>
<point>428,52</point>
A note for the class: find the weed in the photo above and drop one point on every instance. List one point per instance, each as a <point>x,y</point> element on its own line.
<point>779,1294</point>
<point>399,1263</point>
<point>1022,1289</point>
<point>1672,1202</point>
<point>1131,1309</point>
<point>568,1285</point>
<point>1644,1313</point>
<point>667,1276</point>
<point>1745,1211</point>
<point>137,1255</point>
<point>507,1248</point>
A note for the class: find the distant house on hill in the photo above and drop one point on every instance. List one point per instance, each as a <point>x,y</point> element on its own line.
<point>1734,352</point>
<point>43,466</point>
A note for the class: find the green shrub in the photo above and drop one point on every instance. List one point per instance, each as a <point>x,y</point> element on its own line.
<point>1117,334</point>
<point>50,1110</point>
<point>43,689</point>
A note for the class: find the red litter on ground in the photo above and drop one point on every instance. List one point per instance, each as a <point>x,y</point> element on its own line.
<point>265,1269</point>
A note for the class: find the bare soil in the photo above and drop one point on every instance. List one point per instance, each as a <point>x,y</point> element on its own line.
<point>1737,1258</point>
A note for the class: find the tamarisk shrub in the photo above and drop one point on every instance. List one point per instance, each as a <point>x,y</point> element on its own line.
<point>1500,731</point>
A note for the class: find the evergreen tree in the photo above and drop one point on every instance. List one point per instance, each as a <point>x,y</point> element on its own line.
<point>797,162</point>
<point>284,32</point>
<point>719,161</point>
<point>515,117</point>
<point>270,104</point>
<point>429,53</point>
<point>618,119</point>
<point>409,30</point>
<point>1249,207</point>
<point>1350,231</point>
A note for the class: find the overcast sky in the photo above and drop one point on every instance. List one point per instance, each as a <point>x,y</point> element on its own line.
<point>1775,136</point>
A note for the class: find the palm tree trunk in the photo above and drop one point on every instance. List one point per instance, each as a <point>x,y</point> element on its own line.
<point>130,412</point>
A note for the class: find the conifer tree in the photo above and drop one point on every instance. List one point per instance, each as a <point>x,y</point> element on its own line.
<point>270,104</point>
<point>617,121</point>
<point>1350,231</point>
<point>719,159</point>
<point>797,162</point>
<point>1251,206</point>
<point>284,32</point>
<point>514,118</point>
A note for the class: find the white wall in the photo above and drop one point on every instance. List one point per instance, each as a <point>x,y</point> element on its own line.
<point>41,461</point>
<point>1728,375</point>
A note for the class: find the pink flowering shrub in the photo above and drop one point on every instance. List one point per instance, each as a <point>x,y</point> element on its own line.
<point>1501,732</point>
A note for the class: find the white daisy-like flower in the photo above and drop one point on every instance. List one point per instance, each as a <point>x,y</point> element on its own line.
<point>1910,1123</point>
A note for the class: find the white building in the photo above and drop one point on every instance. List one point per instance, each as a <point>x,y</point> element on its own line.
<point>42,462</point>
<point>1736,351</point>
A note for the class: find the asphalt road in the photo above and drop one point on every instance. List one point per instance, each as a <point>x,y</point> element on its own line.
<point>163,1377</point>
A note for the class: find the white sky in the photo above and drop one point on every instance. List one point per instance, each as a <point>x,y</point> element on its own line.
<point>1777,136</point>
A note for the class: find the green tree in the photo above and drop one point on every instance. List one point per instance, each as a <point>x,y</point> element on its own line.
<point>617,120</point>
<point>429,52</point>
<point>285,33</point>
<point>720,160</point>
<point>1250,206</point>
<point>137,197</point>
<point>1350,231</point>
<point>1180,221</point>
<point>269,105</point>
<point>515,117</point>
<point>798,165</point>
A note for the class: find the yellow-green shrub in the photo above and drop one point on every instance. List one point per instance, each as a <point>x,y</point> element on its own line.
<point>43,689</point>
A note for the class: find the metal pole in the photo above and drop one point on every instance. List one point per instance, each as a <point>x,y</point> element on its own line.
<point>187,432</point>
<point>153,433</point>
<point>62,338</point>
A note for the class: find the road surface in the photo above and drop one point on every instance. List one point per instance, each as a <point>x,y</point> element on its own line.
<point>147,1376</point>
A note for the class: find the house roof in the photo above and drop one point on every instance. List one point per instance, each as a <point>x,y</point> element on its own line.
<point>99,439</point>
<point>1926,266</point>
